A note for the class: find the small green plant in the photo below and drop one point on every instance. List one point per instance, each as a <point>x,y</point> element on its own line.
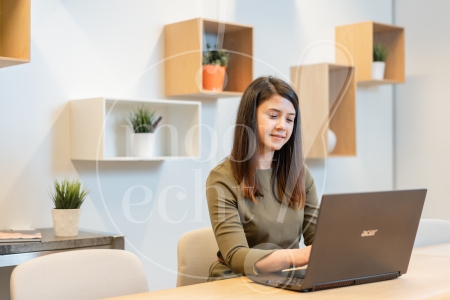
<point>144,120</point>
<point>380,52</point>
<point>215,57</point>
<point>68,194</point>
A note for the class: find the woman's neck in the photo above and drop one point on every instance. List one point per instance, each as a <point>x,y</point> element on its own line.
<point>265,159</point>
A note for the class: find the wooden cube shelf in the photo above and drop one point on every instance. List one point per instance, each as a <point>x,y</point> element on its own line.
<point>99,129</point>
<point>14,32</point>
<point>359,40</point>
<point>327,95</point>
<point>183,52</point>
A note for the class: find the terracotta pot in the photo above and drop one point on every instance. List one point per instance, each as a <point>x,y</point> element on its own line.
<point>213,77</point>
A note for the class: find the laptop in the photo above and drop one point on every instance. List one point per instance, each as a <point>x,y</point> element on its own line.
<point>360,238</point>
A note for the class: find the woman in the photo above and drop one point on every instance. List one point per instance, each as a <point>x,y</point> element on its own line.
<point>262,198</point>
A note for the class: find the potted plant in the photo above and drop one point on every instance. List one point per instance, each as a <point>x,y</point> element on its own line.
<point>380,54</point>
<point>68,195</point>
<point>214,68</point>
<point>144,122</point>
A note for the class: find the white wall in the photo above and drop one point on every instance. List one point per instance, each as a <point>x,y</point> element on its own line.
<point>282,33</point>
<point>422,108</point>
<point>84,48</point>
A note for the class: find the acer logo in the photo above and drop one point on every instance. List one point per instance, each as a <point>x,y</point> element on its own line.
<point>369,232</point>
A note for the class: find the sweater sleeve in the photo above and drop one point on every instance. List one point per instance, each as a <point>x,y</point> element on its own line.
<point>222,197</point>
<point>311,210</point>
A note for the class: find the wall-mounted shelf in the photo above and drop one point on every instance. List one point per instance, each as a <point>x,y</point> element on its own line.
<point>183,51</point>
<point>14,32</point>
<point>359,39</point>
<point>327,95</point>
<point>99,129</point>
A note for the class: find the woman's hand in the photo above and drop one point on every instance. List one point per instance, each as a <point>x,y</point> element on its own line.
<point>301,256</point>
<point>283,259</point>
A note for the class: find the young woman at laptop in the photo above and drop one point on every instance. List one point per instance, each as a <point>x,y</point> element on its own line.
<point>262,198</point>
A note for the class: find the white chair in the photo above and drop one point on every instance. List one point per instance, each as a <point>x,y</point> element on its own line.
<point>432,232</point>
<point>82,274</point>
<point>197,250</point>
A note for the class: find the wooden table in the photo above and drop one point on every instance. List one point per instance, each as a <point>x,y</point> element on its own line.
<point>428,277</point>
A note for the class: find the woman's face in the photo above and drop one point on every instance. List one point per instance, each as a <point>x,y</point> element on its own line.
<point>275,118</point>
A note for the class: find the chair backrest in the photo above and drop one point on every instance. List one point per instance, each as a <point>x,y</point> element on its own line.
<point>197,250</point>
<point>432,232</point>
<point>81,274</point>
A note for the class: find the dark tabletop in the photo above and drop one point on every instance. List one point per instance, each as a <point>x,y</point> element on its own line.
<point>51,242</point>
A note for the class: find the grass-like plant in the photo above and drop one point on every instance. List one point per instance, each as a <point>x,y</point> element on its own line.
<point>380,52</point>
<point>215,57</point>
<point>144,120</point>
<point>68,194</point>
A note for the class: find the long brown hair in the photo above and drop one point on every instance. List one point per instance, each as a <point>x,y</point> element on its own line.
<point>287,164</point>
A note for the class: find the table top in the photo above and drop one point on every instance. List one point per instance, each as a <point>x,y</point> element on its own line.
<point>50,242</point>
<point>427,277</point>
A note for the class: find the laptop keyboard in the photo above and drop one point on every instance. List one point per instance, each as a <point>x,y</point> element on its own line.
<point>285,281</point>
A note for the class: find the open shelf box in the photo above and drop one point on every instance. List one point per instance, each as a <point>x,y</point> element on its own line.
<point>183,50</point>
<point>99,129</point>
<point>14,32</point>
<point>359,40</point>
<point>327,95</point>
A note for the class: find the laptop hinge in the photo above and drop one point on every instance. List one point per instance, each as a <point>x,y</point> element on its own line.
<point>361,280</point>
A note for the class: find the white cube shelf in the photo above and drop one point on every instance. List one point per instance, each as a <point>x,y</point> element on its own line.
<point>99,129</point>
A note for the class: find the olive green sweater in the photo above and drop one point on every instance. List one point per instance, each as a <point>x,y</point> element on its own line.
<point>246,231</point>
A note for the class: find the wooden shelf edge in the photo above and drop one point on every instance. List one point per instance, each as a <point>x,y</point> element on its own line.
<point>244,26</point>
<point>330,64</point>
<point>14,59</point>
<point>8,61</point>
<point>226,23</point>
<point>333,156</point>
<point>393,27</point>
<point>373,82</point>
<point>207,95</point>
<point>160,101</point>
<point>334,66</point>
<point>158,158</point>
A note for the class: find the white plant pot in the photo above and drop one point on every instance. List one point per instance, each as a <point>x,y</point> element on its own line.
<point>65,221</point>
<point>144,145</point>
<point>331,141</point>
<point>378,68</point>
